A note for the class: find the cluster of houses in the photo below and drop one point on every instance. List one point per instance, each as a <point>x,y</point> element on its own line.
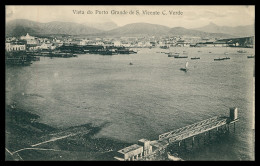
<point>28,42</point>
<point>31,43</point>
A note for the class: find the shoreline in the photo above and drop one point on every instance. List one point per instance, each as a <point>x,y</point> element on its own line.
<point>37,141</point>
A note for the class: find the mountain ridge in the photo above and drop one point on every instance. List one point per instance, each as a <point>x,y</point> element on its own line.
<point>20,27</point>
<point>138,28</point>
<point>104,26</point>
<point>191,32</point>
<point>240,31</point>
<point>156,29</point>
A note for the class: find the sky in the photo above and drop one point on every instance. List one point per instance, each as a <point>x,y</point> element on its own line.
<point>190,16</point>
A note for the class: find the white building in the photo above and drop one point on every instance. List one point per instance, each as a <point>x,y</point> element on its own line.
<point>31,40</point>
<point>34,48</point>
<point>126,45</point>
<point>83,42</point>
<point>27,37</point>
<point>140,44</point>
<point>100,43</point>
<point>45,46</point>
<point>117,43</point>
<point>147,44</point>
<point>7,46</point>
<point>52,47</point>
<point>16,47</point>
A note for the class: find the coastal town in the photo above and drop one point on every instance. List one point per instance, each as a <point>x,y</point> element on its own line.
<point>129,83</point>
<point>21,50</point>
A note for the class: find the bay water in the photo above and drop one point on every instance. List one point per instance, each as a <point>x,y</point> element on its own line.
<point>143,100</point>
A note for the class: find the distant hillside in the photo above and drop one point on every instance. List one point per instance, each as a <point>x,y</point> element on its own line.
<point>105,26</point>
<point>139,28</point>
<point>190,32</point>
<point>21,27</point>
<point>136,29</point>
<point>240,31</point>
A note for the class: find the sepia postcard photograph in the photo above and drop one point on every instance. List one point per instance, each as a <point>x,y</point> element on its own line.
<point>129,83</point>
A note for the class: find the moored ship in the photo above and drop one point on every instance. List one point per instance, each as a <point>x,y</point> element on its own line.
<point>171,54</point>
<point>195,58</point>
<point>178,56</point>
<point>241,51</point>
<point>251,56</point>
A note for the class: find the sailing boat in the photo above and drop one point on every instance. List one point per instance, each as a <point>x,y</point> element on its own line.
<point>186,67</point>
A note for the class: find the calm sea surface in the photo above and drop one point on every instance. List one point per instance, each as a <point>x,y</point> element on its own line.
<point>142,100</point>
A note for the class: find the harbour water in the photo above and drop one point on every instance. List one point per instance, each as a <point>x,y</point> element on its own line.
<point>145,99</point>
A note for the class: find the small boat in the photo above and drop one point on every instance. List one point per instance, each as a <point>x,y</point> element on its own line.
<point>252,56</point>
<point>130,63</point>
<point>164,47</point>
<point>241,51</point>
<point>170,54</point>
<point>177,55</point>
<point>186,67</point>
<point>174,157</point>
<point>195,58</point>
<point>219,59</point>
<point>226,58</point>
<point>180,56</point>
<point>226,53</point>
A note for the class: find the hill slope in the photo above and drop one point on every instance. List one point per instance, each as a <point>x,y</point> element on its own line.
<point>136,29</point>
<point>104,26</point>
<point>190,32</point>
<point>21,27</point>
<point>139,28</point>
<point>241,31</point>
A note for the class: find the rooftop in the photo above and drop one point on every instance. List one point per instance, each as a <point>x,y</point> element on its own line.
<point>158,143</point>
<point>118,158</point>
<point>129,148</point>
<point>143,140</point>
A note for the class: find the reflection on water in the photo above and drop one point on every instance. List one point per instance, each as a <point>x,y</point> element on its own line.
<point>142,100</point>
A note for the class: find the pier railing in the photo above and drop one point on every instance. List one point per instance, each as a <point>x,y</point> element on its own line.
<point>187,128</point>
<point>198,130</point>
<point>159,146</point>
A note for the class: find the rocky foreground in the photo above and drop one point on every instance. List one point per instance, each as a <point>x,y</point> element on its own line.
<point>27,139</point>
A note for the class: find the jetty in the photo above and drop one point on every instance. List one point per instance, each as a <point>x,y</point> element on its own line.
<point>150,150</point>
<point>21,60</point>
